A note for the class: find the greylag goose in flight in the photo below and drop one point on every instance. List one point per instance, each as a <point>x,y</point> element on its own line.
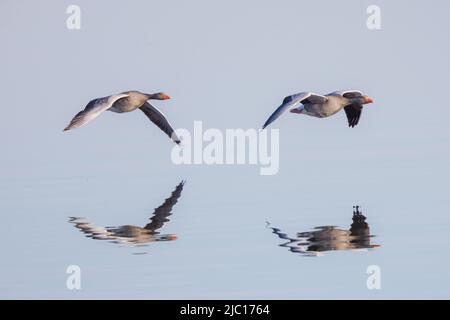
<point>125,102</point>
<point>134,234</point>
<point>315,105</point>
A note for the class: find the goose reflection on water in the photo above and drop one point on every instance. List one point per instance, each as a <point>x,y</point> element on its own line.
<point>128,234</point>
<point>329,238</point>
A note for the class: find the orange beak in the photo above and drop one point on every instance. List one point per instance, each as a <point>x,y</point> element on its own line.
<point>367,100</point>
<point>165,96</point>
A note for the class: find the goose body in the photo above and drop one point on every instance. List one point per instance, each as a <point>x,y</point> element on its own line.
<point>320,106</point>
<point>132,101</point>
<point>321,110</point>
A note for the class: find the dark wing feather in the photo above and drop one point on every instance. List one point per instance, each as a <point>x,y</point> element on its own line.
<point>353,112</point>
<point>161,214</point>
<point>160,120</point>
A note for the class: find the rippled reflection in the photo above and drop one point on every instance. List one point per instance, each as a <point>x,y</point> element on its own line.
<point>329,238</point>
<point>134,234</point>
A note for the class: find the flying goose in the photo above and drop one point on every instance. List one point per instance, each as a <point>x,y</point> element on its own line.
<point>315,105</point>
<point>125,102</point>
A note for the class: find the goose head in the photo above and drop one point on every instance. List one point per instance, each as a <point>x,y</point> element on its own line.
<point>158,96</point>
<point>360,100</point>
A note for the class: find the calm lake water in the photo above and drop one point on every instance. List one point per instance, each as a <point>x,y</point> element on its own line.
<point>215,242</point>
<point>95,197</point>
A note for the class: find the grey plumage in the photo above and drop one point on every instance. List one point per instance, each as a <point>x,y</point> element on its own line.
<point>319,106</point>
<point>92,110</point>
